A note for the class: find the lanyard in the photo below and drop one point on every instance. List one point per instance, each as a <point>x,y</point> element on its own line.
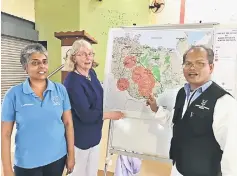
<point>191,97</point>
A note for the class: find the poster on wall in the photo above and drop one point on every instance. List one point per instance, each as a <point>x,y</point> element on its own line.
<point>225,72</point>
<point>64,53</point>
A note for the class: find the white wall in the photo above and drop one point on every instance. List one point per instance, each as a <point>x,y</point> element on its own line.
<point>220,11</point>
<point>170,14</point>
<point>224,12</point>
<point>21,8</point>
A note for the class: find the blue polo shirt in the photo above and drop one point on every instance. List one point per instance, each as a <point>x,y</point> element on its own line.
<point>40,136</point>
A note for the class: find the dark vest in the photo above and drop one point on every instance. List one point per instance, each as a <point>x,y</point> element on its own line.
<point>194,149</point>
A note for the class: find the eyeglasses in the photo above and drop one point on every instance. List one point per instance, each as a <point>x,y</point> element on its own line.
<point>38,62</point>
<point>197,65</point>
<point>85,55</point>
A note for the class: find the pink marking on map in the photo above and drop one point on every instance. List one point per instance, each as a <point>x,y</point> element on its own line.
<point>147,79</point>
<point>146,83</point>
<point>129,61</point>
<point>122,84</point>
<point>145,92</point>
<point>144,79</point>
<point>145,89</point>
<point>137,73</point>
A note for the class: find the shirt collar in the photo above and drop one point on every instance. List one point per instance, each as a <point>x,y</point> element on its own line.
<point>28,90</point>
<point>200,89</point>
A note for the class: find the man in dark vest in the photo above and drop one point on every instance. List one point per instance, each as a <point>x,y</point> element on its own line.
<point>204,121</point>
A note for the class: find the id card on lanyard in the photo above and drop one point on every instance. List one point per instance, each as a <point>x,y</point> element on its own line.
<point>188,101</point>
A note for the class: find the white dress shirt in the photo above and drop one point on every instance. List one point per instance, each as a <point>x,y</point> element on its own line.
<point>224,128</point>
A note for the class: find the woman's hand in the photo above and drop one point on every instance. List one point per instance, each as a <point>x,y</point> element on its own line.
<point>70,163</point>
<point>67,120</point>
<point>6,133</point>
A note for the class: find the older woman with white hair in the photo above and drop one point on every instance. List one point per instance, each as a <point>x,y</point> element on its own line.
<point>86,96</point>
<point>41,111</point>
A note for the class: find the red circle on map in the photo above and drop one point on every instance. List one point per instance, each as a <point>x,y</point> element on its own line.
<point>129,61</point>
<point>122,84</point>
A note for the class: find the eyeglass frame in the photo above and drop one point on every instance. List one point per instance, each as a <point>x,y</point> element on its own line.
<point>197,65</point>
<point>85,55</point>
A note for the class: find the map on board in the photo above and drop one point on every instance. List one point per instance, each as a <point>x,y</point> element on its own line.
<point>140,63</point>
<point>146,62</point>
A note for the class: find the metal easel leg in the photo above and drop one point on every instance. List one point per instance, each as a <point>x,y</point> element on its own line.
<point>105,169</point>
<point>107,159</point>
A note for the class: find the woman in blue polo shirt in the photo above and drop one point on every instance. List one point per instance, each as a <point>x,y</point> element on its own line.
<point>86,96</point>
<point>44,140</point>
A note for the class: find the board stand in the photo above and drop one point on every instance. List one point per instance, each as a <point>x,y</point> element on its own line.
<point>111,150</point>
<point>108,154</point>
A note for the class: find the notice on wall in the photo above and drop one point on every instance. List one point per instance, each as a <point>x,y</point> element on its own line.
<point>225,48</point>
